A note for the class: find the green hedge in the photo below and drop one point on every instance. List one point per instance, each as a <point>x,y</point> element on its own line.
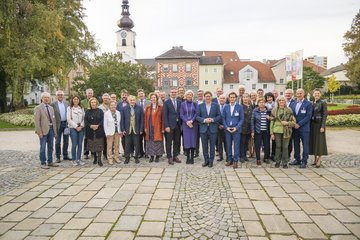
<point>347,97</point>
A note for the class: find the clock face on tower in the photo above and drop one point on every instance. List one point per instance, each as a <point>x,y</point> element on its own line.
<point>123,34</point>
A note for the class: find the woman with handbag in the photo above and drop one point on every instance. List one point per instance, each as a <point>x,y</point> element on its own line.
<point>75,119</point>
<point>94,130</point>
<point>281,129</point>
<point>318,145</point>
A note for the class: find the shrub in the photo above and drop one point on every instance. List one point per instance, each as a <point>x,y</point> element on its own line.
<point>19,118</point>
<point>351,120</point>
<point>347,97</point>
<point>354,109</point>
<point>332,104</point>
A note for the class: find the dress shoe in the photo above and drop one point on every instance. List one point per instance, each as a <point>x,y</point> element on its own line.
<point>210,165</point>
<point>277,165</point>
<point>258,162</point>
<point>137,161</point>
<point>242,160</point>
<point>177,160</point>
<point>67,158</point>
<point>170,161</point>
<point>294,163</point>
<point>228,164</point>
<point>285,166</point>
<point>303,165</point>
<point>220,159</point>
<point>196,155</point>
<point>127,160</point>
<point>86,157</point>
<point>157,158</point>
<point>44,166</point>
<point>266,160</point>
<point>235,165</point>
<point>205,164</point>
<point>58,160</point>
<point>151,159</point>
<point>141,156</point>
<point>53,165</point>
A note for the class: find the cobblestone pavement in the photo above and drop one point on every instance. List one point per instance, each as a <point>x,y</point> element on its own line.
<point>157,201</point>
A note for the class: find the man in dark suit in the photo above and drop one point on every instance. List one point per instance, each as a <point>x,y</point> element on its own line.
<point>120,106</point>
<point>289,93</point>
<point>208,116</point>
<point>132,126</point>
<point>60,109</point>
<point>172,125</point>
<point>302,110</point>
<point>233,117</point>
<point>142,102</point>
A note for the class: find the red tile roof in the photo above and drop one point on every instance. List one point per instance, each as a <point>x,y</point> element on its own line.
<point>227,56</point>
<point>314,67</point>
<point>265,73</point>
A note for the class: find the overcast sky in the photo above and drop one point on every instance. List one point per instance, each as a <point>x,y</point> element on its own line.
<point>256,29</point>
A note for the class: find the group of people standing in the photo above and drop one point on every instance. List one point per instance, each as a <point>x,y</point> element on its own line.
<point>240,124</point>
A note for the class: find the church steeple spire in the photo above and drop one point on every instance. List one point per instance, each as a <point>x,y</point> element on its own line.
<point>125,22</point>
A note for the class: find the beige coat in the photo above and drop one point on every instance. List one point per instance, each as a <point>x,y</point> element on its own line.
<point>42,122</point>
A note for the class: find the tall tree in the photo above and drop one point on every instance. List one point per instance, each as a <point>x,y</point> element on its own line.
<point>352,50</point>
<point>41,39</point>
<point>109,74</point>
<point>311,78</point>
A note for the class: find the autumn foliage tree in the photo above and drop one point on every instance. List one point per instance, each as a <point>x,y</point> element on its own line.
<point>333,86</point>
<point>352,50</point>
<point>41,39</point>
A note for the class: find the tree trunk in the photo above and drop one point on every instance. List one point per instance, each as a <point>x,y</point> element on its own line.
<point>17,93</point>
<point>3,100</point>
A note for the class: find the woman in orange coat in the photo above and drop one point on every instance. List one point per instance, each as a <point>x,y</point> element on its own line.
<point>154,129</point>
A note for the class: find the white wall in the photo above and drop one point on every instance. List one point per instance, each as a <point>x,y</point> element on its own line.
<point>213,73</point>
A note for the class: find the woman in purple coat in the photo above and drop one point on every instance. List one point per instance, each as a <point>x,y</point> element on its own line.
<point>189,125</point>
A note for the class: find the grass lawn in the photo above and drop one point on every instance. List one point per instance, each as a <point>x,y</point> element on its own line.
<point>339,106</point>
<point>5,126</point>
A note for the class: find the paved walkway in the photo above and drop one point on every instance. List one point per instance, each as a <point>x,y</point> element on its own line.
<point>157,201</point>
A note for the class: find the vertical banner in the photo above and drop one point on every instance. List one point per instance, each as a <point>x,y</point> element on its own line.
<point>294,66</point>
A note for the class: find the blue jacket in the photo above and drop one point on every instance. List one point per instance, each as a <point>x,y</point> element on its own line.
<point>236,119</point>
<point>119,106</point>
<point>256,121</point>
<point>171,116</point>
<point>139,119</point>
<point>214,114</point>
<point>303,117</point>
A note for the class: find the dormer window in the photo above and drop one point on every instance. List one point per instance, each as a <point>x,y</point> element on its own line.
<point>248,74</point>
<point>231,72</point>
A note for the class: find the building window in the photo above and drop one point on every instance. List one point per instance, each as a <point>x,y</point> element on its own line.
<point>166,67</point>
<point>253,86</point>
<point>265,86</point>
<point>248,74</point>
<point>206,82</point>
<point>231,86</point>
<point>166,82</point>
<point>215,82</point>
<point>215,70</point>
<point>123,43</point>
<point>281,93</point>
<point>188,67</point>
<point>281,80</point>
<point>174,82</point>
<point>175,67</point>
<point>231,72</point>
<point>189,81</point>
<point>206,69</point>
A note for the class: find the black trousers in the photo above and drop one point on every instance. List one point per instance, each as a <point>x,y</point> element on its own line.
<point>197,150</point>
<point>173,140</point>
<point>142,144</point>
<point>132,142</point>
<point>86,148</point>
<point>221,146</point>
<point>290,147</point>
<point>262,139</point>
<point>244,144</point>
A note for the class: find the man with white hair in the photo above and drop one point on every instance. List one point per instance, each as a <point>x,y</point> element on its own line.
<point>241,93</point>
<point>85,102</point>
<point>105,102</point>
<point>45,128</point>
<point>60,108</point>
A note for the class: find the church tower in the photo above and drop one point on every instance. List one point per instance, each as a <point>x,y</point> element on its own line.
<point>125,43</point>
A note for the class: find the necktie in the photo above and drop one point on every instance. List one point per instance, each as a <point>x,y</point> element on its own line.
<point>174,104</point>
<point>48,112</point>
<point>142,104</point>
